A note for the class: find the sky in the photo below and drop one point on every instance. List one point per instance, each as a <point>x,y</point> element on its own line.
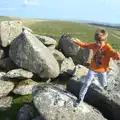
<point>107,11</point>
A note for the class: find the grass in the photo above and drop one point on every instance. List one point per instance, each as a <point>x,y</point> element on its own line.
<point>54,29</point>
<point>4,18</point>
<point>83,31</point>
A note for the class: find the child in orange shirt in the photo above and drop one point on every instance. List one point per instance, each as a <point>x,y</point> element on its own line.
<point>99,65</point>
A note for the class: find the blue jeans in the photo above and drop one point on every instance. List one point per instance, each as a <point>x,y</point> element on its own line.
<point>102,78</point>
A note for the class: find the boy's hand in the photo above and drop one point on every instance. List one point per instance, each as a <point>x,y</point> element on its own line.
<point>75,40</point>
<point>119,57</point>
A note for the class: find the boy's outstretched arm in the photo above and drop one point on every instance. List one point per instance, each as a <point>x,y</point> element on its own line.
<point>82,44</point>
<point>113,53</point>
<point>116,57</point>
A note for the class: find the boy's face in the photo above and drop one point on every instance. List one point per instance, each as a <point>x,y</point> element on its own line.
<point>100,36</point>
<point>99,43</point>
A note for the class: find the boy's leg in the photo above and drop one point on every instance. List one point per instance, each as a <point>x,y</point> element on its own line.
<point>88,81</point>
<point>83,90</point>
<point>102,77</point>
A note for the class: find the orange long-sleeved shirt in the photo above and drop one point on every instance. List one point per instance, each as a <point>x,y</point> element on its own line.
<point>108,52</point>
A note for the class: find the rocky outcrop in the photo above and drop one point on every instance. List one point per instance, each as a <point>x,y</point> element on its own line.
<point>47,41</point>
<point>5,103</point>
<point>107,101</point>
<point>26,112</point>
<point>5,88</point>
<point>27,60</point>
<point>19,74</point>
<point>56,104</point>
<point>29,53</point>
<point>24,87</point>
<point>9,30</point>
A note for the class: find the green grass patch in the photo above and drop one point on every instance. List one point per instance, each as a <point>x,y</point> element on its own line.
<point>83,31</point>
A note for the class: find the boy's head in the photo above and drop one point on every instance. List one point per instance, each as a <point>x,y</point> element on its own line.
<point>101,35</point>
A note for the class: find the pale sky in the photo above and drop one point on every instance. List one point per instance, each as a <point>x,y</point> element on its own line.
<point>89,10</point>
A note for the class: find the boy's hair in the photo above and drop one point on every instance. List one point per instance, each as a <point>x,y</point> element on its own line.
<point>101,34</point>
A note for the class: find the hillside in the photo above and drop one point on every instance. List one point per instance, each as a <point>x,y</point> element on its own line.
<point>55,29</point>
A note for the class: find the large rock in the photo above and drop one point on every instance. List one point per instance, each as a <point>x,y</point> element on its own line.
<point>84,56</point>
<point>7,64</point>
<point>29,53</point>
<point>9,30</point>
<point>2,74</point>
<point>78,54</point>
<point>24,87</point>
<point>80,71</point>
<point>107,101</point>
<point>5,103</point>
<point>54,103</point>
<point>67,46</point>
<point>19,73</point>
<point>47,41</point>
<point>26,112</point>
<point>67,66</point>
<point>5,88</point>
<point>58,56</point>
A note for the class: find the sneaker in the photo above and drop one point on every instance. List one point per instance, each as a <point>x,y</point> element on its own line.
<point>77,102</point>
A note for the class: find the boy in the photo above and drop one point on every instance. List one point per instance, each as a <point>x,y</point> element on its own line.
<point>99,65</point>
